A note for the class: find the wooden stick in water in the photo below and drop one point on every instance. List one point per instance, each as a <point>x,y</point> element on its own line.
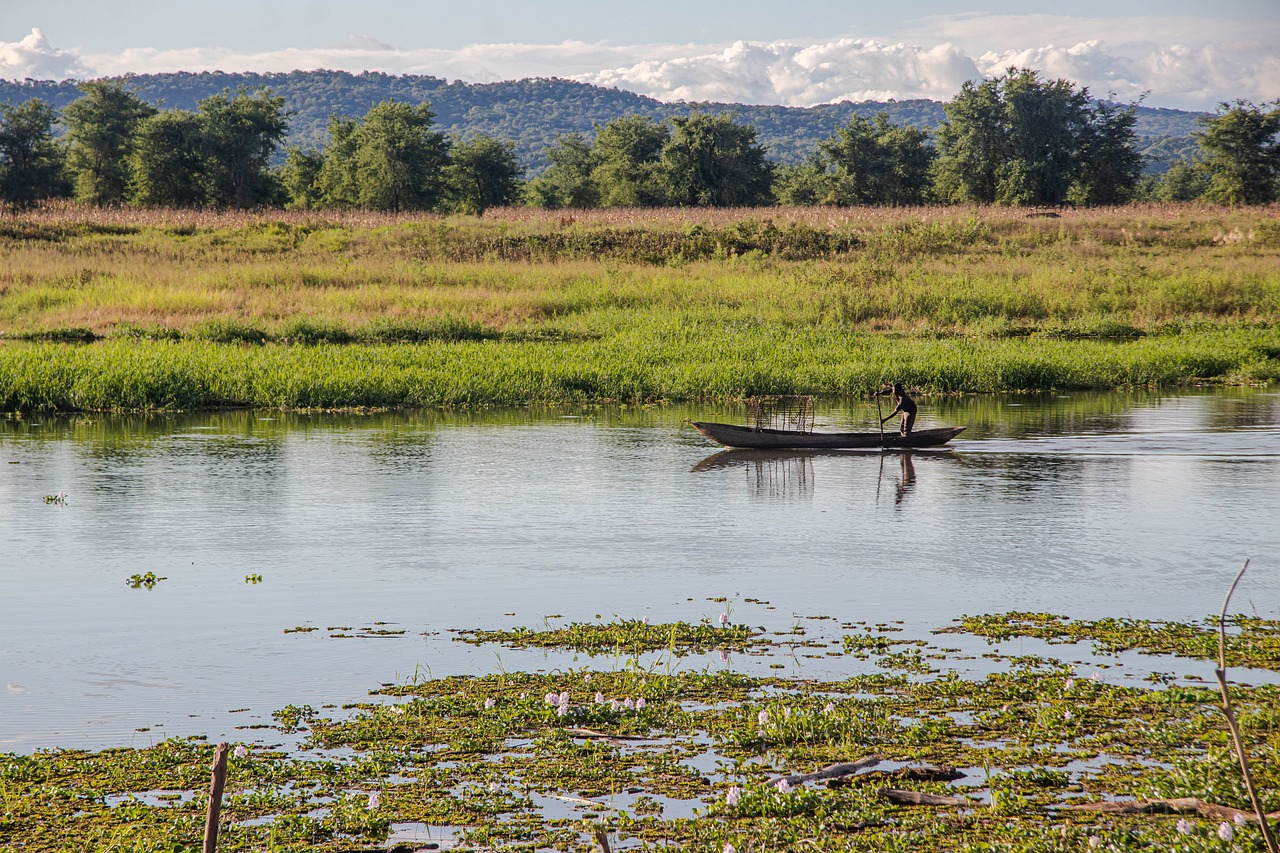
<point>216,784</point>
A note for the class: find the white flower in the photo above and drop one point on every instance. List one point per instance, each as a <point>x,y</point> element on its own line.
<point>729,848</point>
<point>645,620</point>
<point>1241,820</point>
<point>1095,841</point>
<point>395,709</point>
<point>489,703</point>
<point>829,708</point>
<point>1184,826</point>
<point>551,699</point>
<point>493,786</point>
<point>599,698</point>
<point>629,704</point>
<point>615,705</point>
<point>375,800</point>
<point>562,711</point>
<point>1071,682</point>
<point>240,751</point>
<point>640,704</point>
<point>731,798</point>
<point>724,620</point>
<point>1225,831</point>
<point>786,713</point>
<point>762,718</point>
<point>1068,716</point>
<point>784,786</point>
<point>564,698</point>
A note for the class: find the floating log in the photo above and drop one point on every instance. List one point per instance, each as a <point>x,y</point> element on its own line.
<point>835,771</point>
<point>1179,805</point>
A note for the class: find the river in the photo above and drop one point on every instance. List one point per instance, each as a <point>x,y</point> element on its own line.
<point>366,525</point>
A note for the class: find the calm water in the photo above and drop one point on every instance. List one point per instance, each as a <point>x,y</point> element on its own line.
<point>1086,505</point>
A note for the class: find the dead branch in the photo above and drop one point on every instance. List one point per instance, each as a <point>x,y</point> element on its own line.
<point>1267,835</point>
<point>919,798</point>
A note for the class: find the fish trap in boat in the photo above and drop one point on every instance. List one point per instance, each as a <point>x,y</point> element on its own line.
<point>791,412</point>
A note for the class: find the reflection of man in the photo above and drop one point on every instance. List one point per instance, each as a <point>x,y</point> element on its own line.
<point>908,478</point>
<point>906,406</point>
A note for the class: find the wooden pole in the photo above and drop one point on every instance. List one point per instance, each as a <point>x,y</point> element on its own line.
<point>216,784</point>
<point>879,419</point>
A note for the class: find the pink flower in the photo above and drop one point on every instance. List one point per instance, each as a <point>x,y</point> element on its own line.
<point>784,786</point>
<point>1184,826</point>
<point>1070,683</point>
<point>629,704</point>
<point>599,698</point>
<point>615,705</point>
<point>240,751</point>
<point>829,708</point>
<point>1241,820</point>
<point>562,711</point>
<point>375,800</point>
<point>724,620</point>
<point>724,656</point>
<point>1225,831</point>
<point>1068,716</point>
<point>640,704</point>
<point>786,713</point>
<point>1095,841</point>
<point>762,718</point>
<point>564,698</point>
<point>493,786</point>
<point>731,798</point>
<point>489,703</point>
<point>729,848</point>
<point>645,620</point>
<point>551,699</point>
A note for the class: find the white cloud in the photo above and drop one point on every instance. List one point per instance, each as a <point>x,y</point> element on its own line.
<point>1183,62</point>
<point>34,57</point>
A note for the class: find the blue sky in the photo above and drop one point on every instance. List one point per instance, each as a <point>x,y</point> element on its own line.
<point>1185,54</point>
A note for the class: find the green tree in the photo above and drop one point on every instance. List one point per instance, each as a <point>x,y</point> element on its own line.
<point>300,178</point>
<point>1110,165</point>
<point>100,129</point>
<point>482,173</point>
<point>628,153</point>
<point>167,163</point>
<point>31,162</point>
<point>567,182</point>
<point>1017,139</point>
<point>712,161</point>
<point>389,160</point>
<point>240,133</point>
<point>804,184</point>
<point>1242,153</point>
<point>875,162</point>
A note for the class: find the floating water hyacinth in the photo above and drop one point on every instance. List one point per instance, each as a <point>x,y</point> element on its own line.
<point>786,713</point>
<point>564,697</point>
<point>1070,683</point>
<point>724,656</point>
<point>493,787</point>
<point>762,718</point>
<point>615,705</point>
<point>562,711</point>
<point>1095,841</point>
<point>724,620</point>
<point>729,848</point>
<point>645,620</point>
<point>375,800</point>
<point>1068,716</point>
<point>1184,826</point>
<point>60,499</point>
<point>629,704</point>
<point>599,698</point>
<point>489,703</point>
<point>240,751</point>
<point>395,709</point>
<point>1225,831</point>
<point>1241,820</point>
<point>640,704</point>
<point>829,708</point>
<point>731,798</point>
<point>552,698</point>
<point>784,787</point>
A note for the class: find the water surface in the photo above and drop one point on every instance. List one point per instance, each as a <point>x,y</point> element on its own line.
<point>1087,505</point>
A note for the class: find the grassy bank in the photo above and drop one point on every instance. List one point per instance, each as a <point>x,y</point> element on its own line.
<point>187,310</point>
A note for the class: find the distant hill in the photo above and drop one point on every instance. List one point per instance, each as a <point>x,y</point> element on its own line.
<point>534,112</point>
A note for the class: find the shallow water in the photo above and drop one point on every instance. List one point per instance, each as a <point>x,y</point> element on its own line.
<point>1086,505</point>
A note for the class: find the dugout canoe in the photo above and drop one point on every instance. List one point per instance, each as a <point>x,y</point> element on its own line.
<point>763,439</point>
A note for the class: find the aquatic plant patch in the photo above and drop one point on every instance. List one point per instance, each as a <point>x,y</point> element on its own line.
<point>700,759</point>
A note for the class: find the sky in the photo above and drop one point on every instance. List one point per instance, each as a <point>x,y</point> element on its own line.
<point>1185,54</point>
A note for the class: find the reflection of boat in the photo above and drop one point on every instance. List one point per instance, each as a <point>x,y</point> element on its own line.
<point>764,439</point>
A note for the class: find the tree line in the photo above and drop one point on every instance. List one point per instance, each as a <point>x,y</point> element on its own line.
<point>1015,139</point>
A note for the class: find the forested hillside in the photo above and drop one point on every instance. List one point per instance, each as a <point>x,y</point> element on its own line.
<point>533,113</point>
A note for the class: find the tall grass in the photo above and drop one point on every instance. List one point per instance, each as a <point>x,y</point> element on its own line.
<point>678,361</point>
<point>524,306</point>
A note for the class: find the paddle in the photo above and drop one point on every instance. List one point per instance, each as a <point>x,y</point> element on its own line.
<point>879,419</point>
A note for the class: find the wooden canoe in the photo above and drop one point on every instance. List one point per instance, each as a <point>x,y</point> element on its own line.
<point>761,439</point>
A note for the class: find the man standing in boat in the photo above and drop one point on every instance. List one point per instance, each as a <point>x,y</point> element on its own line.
<point>906,406</point>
